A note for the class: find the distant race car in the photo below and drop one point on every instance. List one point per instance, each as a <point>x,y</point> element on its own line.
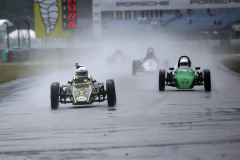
<point>83,92</point>
<point>117,58</point>
<point>184,77</point>
<point>148,65</point>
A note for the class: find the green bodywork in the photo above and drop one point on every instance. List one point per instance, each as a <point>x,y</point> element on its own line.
<point>184,78</point>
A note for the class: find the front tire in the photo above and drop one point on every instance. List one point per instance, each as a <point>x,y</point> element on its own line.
<point>111,93</point>
<point>134,67</point>
<point>54,95</point>
<point>161,80</point>
<point>207,79</point>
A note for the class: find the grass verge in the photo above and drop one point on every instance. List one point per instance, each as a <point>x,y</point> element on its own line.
<point>232,64</point>
<point>12,71</point>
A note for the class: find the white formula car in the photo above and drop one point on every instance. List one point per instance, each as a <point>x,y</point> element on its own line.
<point>147,65</point>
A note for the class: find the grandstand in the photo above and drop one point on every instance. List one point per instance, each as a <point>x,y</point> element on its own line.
<point>194,25</point>
<point>205,20</point>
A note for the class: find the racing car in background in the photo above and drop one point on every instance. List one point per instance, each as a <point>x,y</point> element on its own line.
<point>148,64</point>
<point>117,58</point>
<point>184,77</point>
<point>83,91</point>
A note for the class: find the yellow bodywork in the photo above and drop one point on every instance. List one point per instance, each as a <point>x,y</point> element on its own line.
<point>82,92</point>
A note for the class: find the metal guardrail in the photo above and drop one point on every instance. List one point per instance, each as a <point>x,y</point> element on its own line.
<point>53,53</point>
<point>19,54</point>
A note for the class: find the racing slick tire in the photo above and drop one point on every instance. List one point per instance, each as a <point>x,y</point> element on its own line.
<point>55,95</point>
<point>111,93</point>
<point>161,80</point>
<point>207,79</point>
<point>134,67</point>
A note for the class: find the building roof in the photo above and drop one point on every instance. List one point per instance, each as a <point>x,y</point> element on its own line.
<point>3,25</point>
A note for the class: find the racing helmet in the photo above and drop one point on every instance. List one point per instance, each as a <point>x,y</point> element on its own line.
<point>150,51</point>
<point>184,62</point>
<point>82,71</point>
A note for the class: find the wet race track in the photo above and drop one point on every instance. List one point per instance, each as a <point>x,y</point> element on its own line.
<point>145,123</point>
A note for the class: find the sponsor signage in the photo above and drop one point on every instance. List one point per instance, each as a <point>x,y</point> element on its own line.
<point>144,3</point>
<point>48,19</point>
<point>224,2</point>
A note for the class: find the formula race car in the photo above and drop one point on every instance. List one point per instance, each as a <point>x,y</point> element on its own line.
<point>83,92</point>
<point>148,65</point>
<point>117,58</point>
<point>184,77</point>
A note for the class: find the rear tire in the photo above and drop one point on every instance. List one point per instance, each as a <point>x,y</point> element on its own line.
<point>134,67</point>
<point>111,93</point>
<point>161,80</point>
<point>54,95</point>
<point>207,79</point>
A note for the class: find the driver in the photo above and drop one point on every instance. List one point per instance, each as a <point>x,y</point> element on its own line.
<point>81,75</point>
<point>150,54</point>
<point>184,62</point>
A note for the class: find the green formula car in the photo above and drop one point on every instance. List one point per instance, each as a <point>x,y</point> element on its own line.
<point>183,76</point>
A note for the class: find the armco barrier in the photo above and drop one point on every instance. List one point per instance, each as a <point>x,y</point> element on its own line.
<point>52,53</point>
<point>19,54</point>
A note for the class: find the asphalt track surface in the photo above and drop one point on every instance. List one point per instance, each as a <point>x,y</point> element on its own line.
<point>145,123</point>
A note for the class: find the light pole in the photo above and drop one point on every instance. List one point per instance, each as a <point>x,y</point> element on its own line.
<point>7,35</point>
<point>18,34</point>
<point>28,28</point>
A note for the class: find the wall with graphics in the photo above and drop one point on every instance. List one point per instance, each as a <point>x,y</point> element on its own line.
<point>54,18</point>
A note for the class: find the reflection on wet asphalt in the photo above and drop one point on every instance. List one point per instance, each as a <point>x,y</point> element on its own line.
<point>145,124</point>
<point>9,92</point>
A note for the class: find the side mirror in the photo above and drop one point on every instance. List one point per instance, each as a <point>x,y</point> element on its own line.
<point>171,68</point>
<point>197,68</point>
<point>93,81</point>
<point>70,82</point>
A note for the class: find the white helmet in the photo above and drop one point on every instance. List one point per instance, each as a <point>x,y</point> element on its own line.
<point>82,71</point>
<point>150,51</point>
<point>184,62</point>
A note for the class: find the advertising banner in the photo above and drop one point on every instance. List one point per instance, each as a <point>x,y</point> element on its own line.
<point>48,19</point>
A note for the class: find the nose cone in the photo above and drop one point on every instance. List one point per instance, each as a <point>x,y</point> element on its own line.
<point>81,99</point>
<point>184,79</point>
<point>150,66</point>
